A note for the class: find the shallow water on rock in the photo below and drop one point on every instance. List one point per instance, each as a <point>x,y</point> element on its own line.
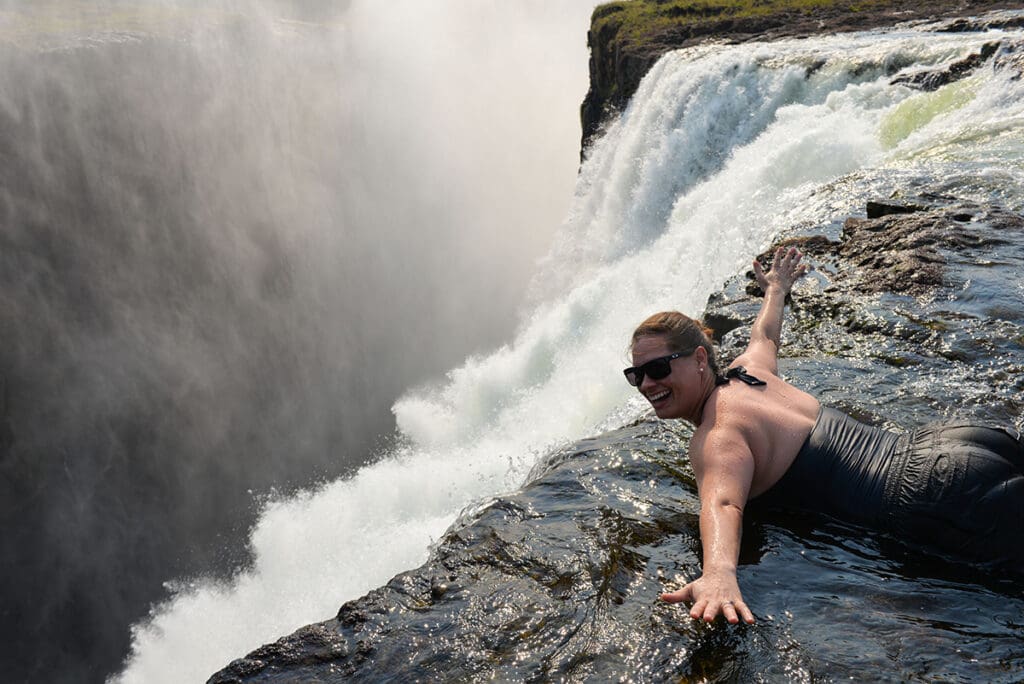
<point>559,580</point>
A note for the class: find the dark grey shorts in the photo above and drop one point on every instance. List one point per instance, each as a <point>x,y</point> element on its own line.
<point>960,488</point>
<point>952,486</point>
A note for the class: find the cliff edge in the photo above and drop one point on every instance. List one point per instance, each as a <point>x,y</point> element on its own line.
<point>627,37</point>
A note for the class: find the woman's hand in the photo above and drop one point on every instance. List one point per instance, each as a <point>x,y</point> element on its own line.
<point>712,594</point>
<point>786,270</point>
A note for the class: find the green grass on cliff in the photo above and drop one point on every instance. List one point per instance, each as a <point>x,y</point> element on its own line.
<point>637,21</point>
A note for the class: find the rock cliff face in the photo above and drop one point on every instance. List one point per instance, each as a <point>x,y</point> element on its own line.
<point>627,37</point>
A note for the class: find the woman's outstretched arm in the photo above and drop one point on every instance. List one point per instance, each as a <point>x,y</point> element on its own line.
<point>766,333</point>
<point>724,467</point>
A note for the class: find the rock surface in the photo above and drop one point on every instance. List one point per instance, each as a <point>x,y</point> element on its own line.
<point>899,258</point>
<point>558,580</point>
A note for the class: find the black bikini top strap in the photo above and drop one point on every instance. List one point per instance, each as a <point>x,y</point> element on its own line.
<point>740,373</point>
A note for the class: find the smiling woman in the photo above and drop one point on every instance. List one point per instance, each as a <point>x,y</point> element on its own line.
<point>670,381</point>
<point>956,487</point>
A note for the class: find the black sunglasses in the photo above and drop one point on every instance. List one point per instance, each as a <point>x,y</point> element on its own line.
<point>655,368</point>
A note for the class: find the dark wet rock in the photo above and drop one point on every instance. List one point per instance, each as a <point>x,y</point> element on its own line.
<point>879,208</point>
<point>298,658</point>
<point>912,252</point>
<point>522,575</point>
<point>985,23</point>
<point>933,79</point>
<point>1010,59</point>
<point>904,253</point>
<point>900,246</point>
<point>896,253</point>
<point>720,323</point>
<point>558,581</point>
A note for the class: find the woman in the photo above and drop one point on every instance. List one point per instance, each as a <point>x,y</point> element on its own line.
<point>954,486</point>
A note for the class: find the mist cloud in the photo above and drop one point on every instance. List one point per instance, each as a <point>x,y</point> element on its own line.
<point>228,242</point>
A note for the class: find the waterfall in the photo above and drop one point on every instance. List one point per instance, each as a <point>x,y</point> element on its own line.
<point>233,233</point>
<point>721,150</point>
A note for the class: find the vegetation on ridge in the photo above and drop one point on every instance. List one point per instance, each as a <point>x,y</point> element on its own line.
<point>641,21</point>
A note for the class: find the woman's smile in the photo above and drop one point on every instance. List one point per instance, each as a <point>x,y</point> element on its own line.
<point>666,394</point>
<point>656,397</point>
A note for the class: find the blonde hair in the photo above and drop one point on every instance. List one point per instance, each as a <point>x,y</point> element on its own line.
<point>682,333</point>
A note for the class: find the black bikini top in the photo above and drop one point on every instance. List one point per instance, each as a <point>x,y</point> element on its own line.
<point>740,373</point>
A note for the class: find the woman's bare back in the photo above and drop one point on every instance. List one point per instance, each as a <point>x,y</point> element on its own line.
<point>774,419</point>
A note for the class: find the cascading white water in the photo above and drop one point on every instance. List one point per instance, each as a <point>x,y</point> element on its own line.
<point>233,234</point>
<point>721,149</point>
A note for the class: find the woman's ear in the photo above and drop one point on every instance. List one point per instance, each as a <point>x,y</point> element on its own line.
<point>701,354</point>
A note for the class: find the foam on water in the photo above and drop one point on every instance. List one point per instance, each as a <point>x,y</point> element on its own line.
<point>720,150</point>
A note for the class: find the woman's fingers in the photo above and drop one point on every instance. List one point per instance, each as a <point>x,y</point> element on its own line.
<point>785,263</point>
<point>744,612</point>
<point>679,595</point>
<point>790,267</point>
<point>732,611</point>
<point>708,610</point>
<point>736,611</point>
<point>759,275</point>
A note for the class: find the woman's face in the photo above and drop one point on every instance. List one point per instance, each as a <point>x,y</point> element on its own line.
<point>680,393</point>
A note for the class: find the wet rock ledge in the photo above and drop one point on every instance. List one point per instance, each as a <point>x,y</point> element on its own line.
<point>913,309</point>
<point>914,282</point>
<point>627,37</point>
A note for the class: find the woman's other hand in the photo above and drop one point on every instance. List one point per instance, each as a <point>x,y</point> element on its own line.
<point>711,595</point>
<point>786,269</point>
